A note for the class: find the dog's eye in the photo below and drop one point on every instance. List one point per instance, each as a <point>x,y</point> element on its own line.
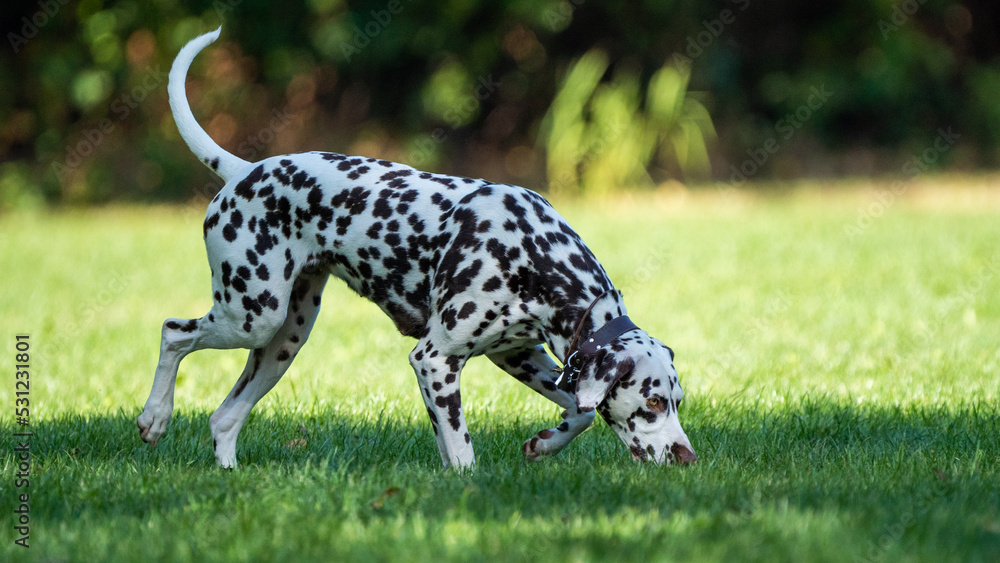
<point>657,404</point>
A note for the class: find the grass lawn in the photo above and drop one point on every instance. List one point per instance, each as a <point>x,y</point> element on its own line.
<point>841,374</point>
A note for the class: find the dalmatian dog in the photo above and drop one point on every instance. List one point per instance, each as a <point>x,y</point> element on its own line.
<point>467,267</point>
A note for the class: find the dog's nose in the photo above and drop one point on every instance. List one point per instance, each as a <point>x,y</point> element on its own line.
<point>683,454</point>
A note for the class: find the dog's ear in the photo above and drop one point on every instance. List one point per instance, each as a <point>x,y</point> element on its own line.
<point>597,378</point>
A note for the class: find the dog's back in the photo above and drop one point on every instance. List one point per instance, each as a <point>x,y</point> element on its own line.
<point>405,239</point>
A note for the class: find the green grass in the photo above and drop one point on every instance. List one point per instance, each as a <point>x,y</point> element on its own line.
<point>841,393</point>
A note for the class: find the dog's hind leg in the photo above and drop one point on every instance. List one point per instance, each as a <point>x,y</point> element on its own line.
<point>180,337</point>
<point>247,313</point>
<point>266,365</point>
<point>536,369</point>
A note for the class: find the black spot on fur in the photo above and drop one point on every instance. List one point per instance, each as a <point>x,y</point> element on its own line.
<point>454,404</point>
<point>244,188</point>
<point>342,224</point>
<point>290,265</point>
<point>382,209</point>
<point>492,284</point>
<point>210,222</point>
<point>227,271</point>
<point>467,310</point>
<point>239,285</point>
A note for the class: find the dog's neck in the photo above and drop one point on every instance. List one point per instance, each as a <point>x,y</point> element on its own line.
<point>588,316</point>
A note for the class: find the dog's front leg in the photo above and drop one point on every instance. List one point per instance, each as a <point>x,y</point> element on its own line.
<point>535,368</point>
<point>438,376</point>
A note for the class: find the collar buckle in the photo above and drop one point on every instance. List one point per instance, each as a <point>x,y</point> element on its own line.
<point>605,335</point>
<point>570,371</point>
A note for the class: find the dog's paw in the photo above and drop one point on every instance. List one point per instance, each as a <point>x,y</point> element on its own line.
<point>538,446</point>
<point>152,426</point>
<point>226,462</point>
<point>530,450</point>
<point>225,451</point>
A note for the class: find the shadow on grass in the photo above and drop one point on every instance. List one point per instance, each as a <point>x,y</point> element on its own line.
<point>817,437</point>
<point>865,469</point>
<point>724,435</point>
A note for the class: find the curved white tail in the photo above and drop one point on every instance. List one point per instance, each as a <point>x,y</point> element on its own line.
<point>223,163</point>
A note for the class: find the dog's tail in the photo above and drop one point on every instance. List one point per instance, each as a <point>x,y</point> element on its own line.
<point>223,163</point>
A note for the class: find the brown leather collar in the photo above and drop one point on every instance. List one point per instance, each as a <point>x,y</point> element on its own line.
<point>579,325</point>
<point>577,355</point>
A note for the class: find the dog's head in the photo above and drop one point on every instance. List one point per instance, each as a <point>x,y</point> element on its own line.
<point>633,385</point>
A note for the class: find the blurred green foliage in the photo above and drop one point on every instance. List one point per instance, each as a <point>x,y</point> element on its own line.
<point>598,139</point>
<point>465,87</point>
